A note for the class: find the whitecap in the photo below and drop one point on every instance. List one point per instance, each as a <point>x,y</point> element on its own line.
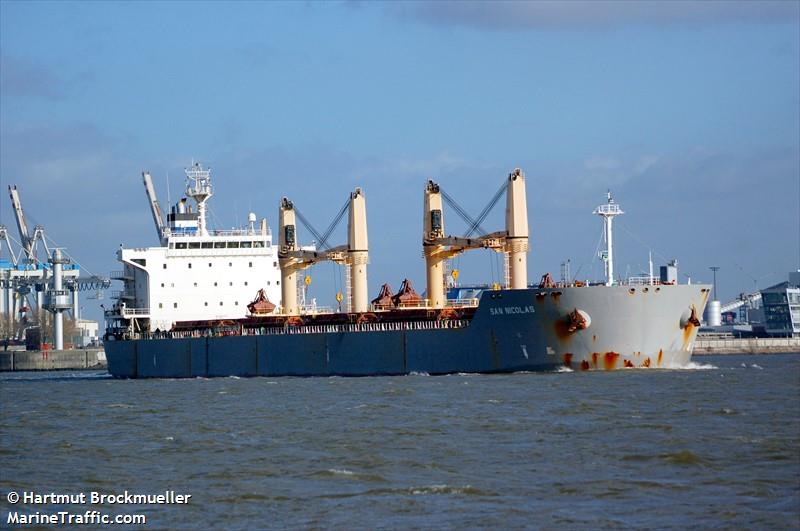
<point>755,366</point>
<point>693,366</point>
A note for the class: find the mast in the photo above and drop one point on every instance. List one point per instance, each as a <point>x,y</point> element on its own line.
<point>517,229</point>
<point>608,211</point>
<point>433,231</point>
<point>198,187</point>
<point>287,229</point>
<point>358,250</point>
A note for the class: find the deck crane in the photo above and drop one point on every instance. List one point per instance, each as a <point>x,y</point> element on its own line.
<point>513,241</point>
<point>155,208</point>
<point>354,254</point>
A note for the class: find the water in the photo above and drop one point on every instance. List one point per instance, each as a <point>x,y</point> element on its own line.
<point>717,445</point>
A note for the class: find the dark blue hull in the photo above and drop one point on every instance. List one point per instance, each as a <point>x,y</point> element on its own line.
<point>486,344</point>
<point>511,330</point>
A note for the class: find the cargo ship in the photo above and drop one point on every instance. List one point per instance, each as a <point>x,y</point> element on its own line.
<point>643,322</point>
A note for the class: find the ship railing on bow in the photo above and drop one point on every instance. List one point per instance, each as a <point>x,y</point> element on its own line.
<point>645,280</point>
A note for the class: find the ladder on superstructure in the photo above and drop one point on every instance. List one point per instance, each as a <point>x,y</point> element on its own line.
<point>507,267</point>
<point>347,282</point>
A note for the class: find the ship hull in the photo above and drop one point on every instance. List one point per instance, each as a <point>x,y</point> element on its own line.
<point>512,330</point>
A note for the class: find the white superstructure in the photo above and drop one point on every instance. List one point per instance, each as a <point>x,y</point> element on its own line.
<point>197,273</point>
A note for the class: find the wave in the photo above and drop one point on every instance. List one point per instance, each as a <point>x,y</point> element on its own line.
<point>692,366</point>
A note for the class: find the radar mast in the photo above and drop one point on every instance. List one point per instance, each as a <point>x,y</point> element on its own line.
<point>198,187</point>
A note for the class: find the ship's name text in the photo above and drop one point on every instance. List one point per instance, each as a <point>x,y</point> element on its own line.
<point>511,310</point>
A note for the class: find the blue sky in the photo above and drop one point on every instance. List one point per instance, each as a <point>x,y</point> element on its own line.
<point>689,112</point>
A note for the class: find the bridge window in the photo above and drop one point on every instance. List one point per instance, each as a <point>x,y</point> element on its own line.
<point>194,245</point>
<point>206,245</point>
<point>233,245</point>
<point>160,305</point>
<point>180,245</point>
<point>258,244</point>
<point>219,245</point>
<point>174,304</point>
<point>247,245</point>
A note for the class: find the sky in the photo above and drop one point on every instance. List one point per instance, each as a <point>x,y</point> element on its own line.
<point>689,112</point>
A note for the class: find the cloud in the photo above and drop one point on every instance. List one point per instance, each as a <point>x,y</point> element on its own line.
<point>21,78</point>
<point>416,168</point>
<point>516,16</point>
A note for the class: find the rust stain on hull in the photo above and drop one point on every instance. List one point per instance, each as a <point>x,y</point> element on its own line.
<point>628,364</point>
<point>561,328</point>
<point>594,359</point>
<point>568,359</point>
<point>610,360</point>
<point>584,365</point>
<point>660,356</point>
<point>646,362</point>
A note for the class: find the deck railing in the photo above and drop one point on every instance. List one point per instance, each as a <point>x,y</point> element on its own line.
<point>307,329</point>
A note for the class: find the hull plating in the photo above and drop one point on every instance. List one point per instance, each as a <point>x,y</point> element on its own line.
<point>512,330</point>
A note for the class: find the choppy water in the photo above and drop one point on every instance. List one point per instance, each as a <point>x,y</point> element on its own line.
<point>713,446</point>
